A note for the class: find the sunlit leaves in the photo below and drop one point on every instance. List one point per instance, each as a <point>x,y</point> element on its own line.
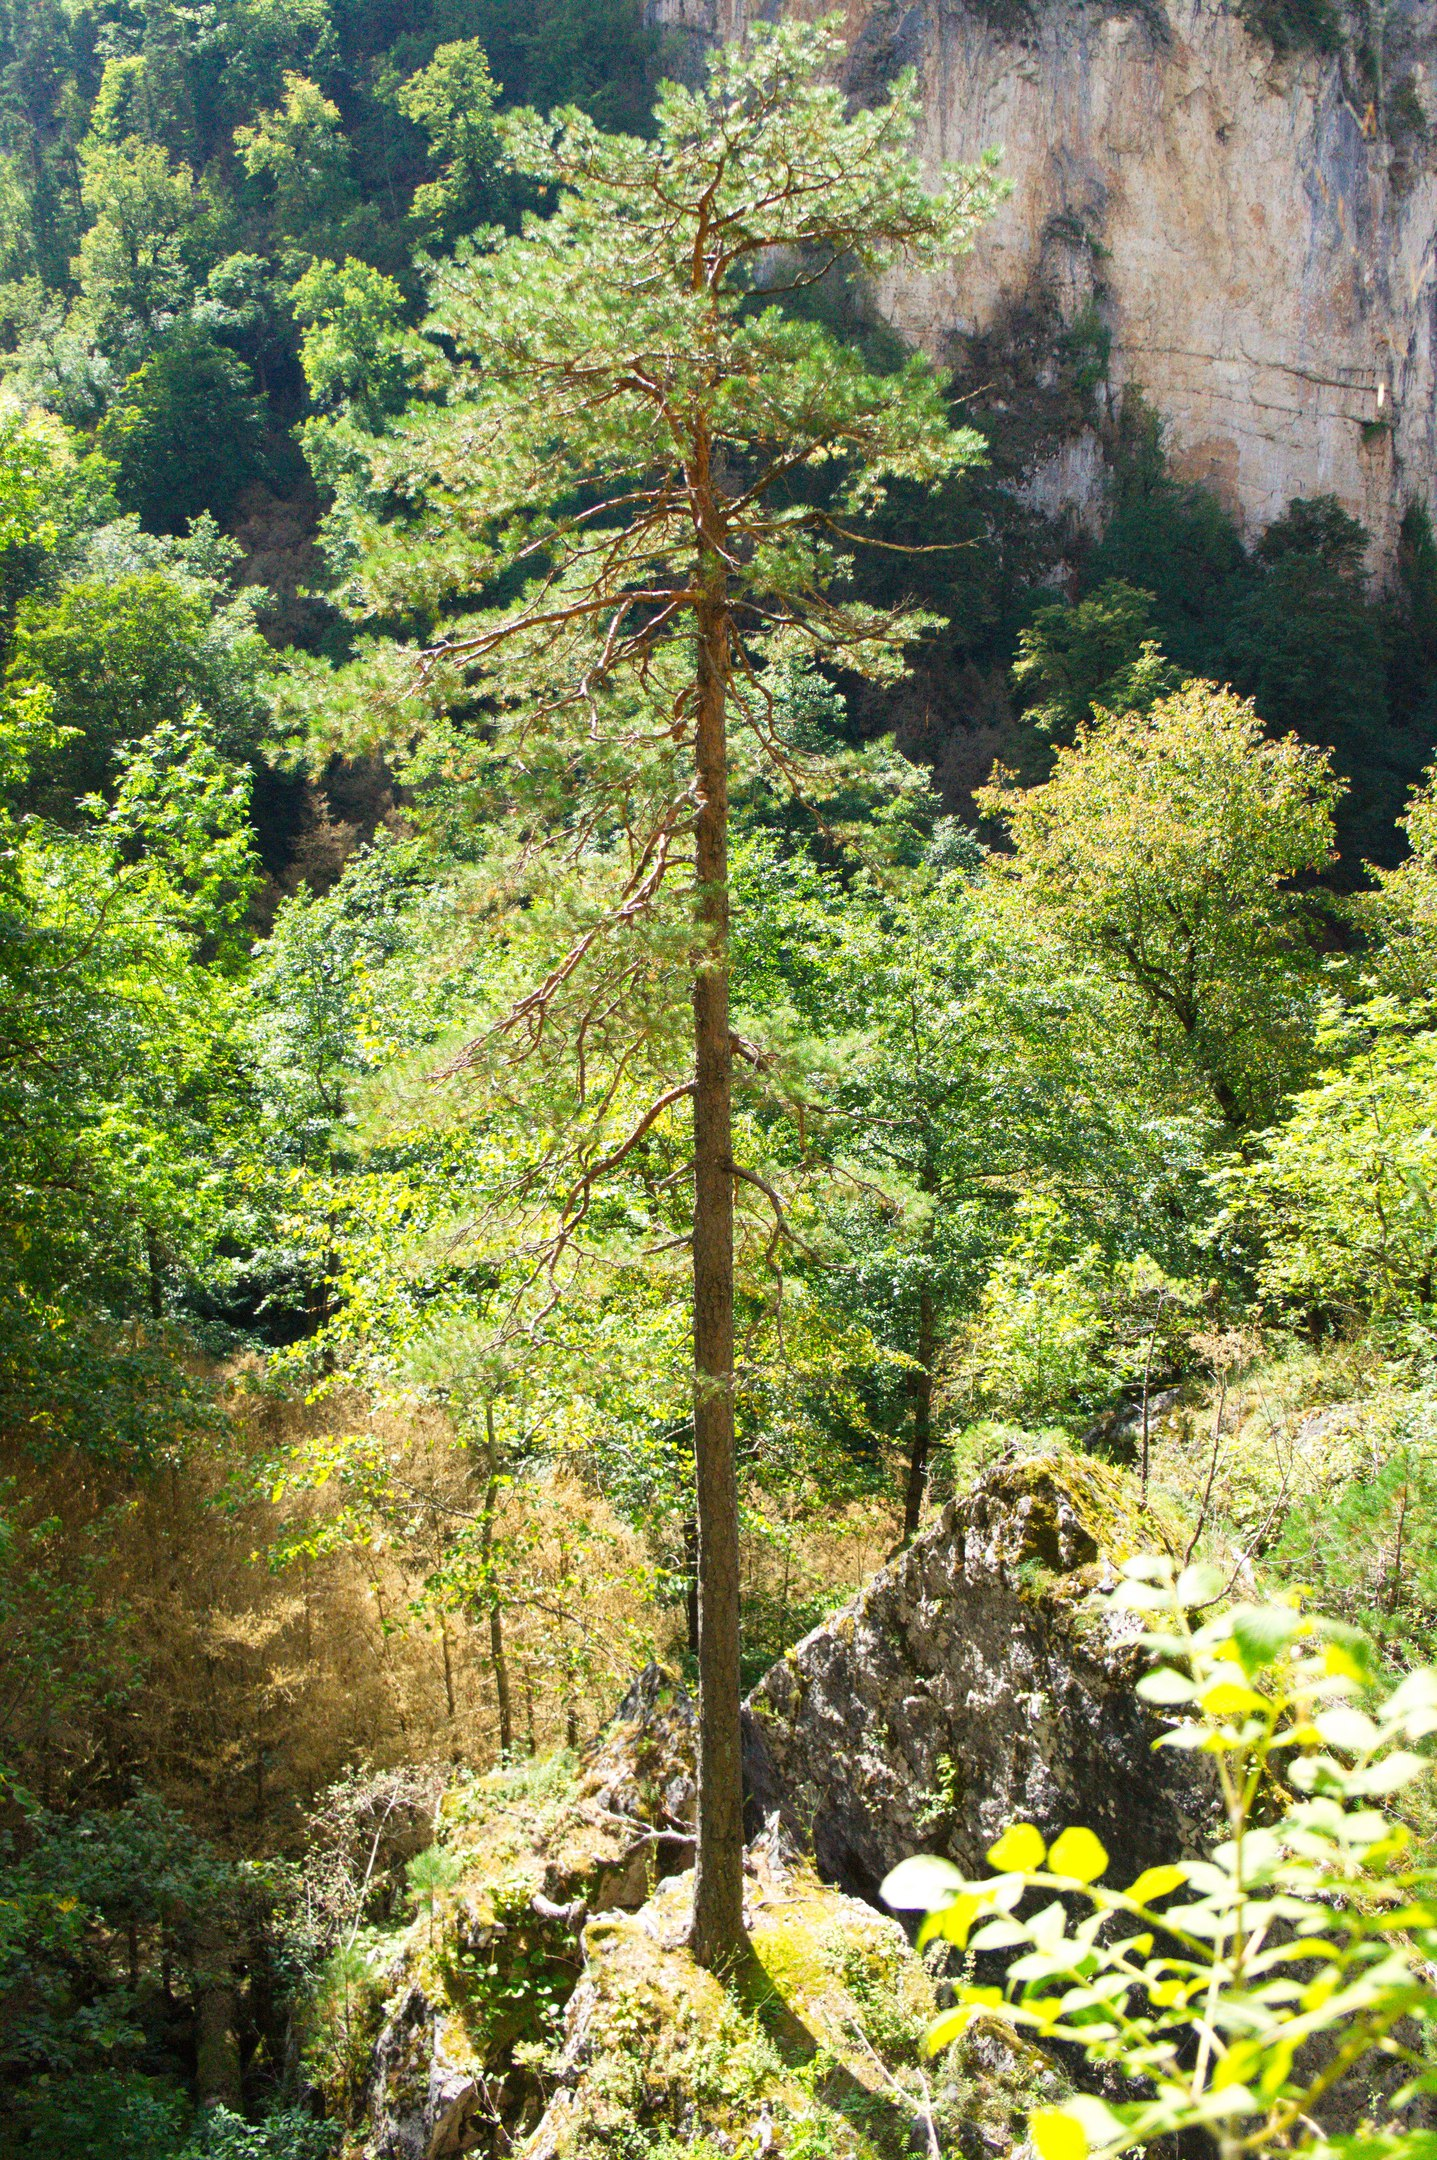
<point>1056,2135</point>
<point>1338,1200</point>
<point>1020,1848</point>
<point>1166,849</point>
<point>1213,2000</point>
<point>116,1076</point>
<point>1076,1852</point>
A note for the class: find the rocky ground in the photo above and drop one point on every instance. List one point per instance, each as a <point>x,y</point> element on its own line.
<point>542,2001</point>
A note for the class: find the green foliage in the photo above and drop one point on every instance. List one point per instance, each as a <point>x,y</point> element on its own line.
<point>285,2134</point>
<point>1294,26</point>
<point>1163,850</point>
<point>1062,1324</point>
<point>1292,625</point>
<point>297,158</point>
<point>452,100</point>
<point>94,1900</point>
<point>51,495</point>
<point>977,1104</point>
<point>136,267</point>
<point>1306,646</point>
<point>601,55</point>
<point>1366,1544</point>
<point>136,644</point>
<point>1172,541</point>
<point>1400,917</point>
<point>264,41</point>
<point>1240,1988</point>
<point>185,433</point>
<point>1417,570</point>
<point>106,2115</point>
<point>1340,1197</point>
<point>114,1081</point>
<point>63,1659</point>
<point>1087,346</point>
<point>428,1874</point>
<point>548,327</point>
<point>515,1986</point>
<point>125,2115</point>
<point>358,352</point>
<point>1097,656</point>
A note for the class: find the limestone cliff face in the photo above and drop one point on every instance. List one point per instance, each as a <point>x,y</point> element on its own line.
<point>1256,235</point>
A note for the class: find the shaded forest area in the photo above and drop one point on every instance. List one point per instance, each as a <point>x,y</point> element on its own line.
<point>1090,1109</point>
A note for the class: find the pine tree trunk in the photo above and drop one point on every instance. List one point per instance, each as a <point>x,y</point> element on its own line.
<point>718,1935</point>
<point>497,1653</point>
<point>921,1383</point>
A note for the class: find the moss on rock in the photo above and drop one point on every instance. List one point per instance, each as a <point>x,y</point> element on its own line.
<point>979,1679</point>
<point>425,2041</point>
<point>813,2048</point>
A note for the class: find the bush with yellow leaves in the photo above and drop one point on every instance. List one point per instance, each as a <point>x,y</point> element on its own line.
<point>1235,1993</point>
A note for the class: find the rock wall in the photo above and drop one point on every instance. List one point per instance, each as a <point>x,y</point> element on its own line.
<point>1256,234</point>
<point>980,1680</point>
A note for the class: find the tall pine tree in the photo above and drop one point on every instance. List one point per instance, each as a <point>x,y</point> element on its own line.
<point>635,490</point>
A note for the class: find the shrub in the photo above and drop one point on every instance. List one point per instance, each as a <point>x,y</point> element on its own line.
<point>1237,1991</point>
<point>1340,1196</point>
<point>185,433</point>
<point>288,2134</point>
<point>1294,26</point>
<point>105,2115</point>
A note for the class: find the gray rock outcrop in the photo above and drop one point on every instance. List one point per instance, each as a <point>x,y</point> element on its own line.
<point>980,1680</point>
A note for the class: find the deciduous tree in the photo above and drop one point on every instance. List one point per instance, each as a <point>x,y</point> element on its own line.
<point>1166,849</point>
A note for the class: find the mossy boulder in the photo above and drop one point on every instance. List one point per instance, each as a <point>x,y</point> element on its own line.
<point>980,1679</point>
<point>814,2047</point>
<point>450,2015</point>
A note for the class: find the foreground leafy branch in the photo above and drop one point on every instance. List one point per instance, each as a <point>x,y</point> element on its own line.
<point>1237,1991</point>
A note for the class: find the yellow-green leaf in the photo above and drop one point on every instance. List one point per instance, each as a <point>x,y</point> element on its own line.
<point>954,2023</point>
<point>1078,1853</point>
<point>1156,1882</point>
<point>1018,1851</point>
<point>1229,1698</point>
<point>950,2027</point>
<point>952,1922</point>
<point>1340,1664</point>
<point>1056,2135</point>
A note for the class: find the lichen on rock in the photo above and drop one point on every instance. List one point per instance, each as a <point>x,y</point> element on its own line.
<point>980,1679</point>
<point>813,2048</point>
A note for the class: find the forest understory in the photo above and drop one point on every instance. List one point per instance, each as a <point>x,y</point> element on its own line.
<point>622,975</point>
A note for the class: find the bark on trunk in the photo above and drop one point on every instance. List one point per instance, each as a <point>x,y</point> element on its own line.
<point>922,1387</point>
<point>691,1582</point>
<point>217,2051</point>
<point>497,1653</point>
<point>718,1935</point>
